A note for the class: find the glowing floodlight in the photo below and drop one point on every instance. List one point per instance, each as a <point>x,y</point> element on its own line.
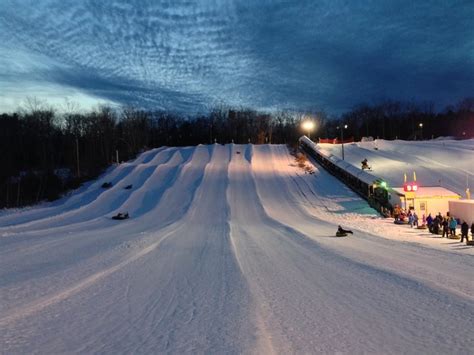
<point>308,126</point>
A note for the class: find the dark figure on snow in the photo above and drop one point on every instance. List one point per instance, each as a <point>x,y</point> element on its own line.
<point>445,225</point>
<point>120,216</point>
<point>429,220</point>
<point>343,231</point>
<point>365,164</point>
<point>472,230</point>
<point>434,228</point>
<point>464,231</point>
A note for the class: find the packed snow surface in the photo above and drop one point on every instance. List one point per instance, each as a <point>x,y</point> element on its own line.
<point>230,249</point>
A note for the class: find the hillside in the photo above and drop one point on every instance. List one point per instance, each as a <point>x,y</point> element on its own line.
<point>230,249</point>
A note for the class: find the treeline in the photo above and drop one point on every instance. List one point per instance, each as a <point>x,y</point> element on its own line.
<point>407,121</point>
<point>44,152</point>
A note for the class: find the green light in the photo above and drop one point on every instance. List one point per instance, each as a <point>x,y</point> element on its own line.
<point>383,184</point>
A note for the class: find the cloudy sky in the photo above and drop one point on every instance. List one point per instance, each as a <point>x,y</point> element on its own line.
<point>189,56</point>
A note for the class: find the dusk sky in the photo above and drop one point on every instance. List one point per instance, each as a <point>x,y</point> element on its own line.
<point>189,56</point>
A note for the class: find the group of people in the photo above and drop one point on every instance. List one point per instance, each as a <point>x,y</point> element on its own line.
<point>401,216</point>
<point>447,225</point>
<point>444,225</point>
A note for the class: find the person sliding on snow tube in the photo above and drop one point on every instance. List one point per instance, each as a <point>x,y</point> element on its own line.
<point>120,216</point>
<point>342,232</point>
<point>365,164</point>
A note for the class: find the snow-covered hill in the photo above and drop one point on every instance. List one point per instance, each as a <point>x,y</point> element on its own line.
<point>447,163</point>
<point>229,249</point>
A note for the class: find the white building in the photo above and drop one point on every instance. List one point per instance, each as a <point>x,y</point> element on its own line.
<point>425,200</point>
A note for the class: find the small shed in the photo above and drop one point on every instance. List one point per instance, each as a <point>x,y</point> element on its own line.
<point>425,200</point>
<point>462,209</point>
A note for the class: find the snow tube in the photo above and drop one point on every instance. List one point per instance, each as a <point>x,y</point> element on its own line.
<point>469,242</point>
<point>454,236</point>
<point>400,222</point>
<point>422,227</point>
<point>338,234</point>
<point>120,216</point>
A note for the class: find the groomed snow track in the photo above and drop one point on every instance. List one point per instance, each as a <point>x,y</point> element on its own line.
<point>229,249</point>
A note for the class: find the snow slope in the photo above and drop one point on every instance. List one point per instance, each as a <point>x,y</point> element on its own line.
<point>228,249</point>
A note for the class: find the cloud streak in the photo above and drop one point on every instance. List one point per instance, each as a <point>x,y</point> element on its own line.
<point>188,56</point>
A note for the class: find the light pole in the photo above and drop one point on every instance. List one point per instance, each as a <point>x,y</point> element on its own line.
<point>342,128</point>
<point>421,130</point>
<point>308,125</point>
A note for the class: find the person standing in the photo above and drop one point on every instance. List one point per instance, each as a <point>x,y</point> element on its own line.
<point>411,219</point>
<point>464,231</point>
<point>429,220</point>
<point>396,212</point>
<point>445,225</point>
<point>435,226</point>
<point>452,226</point>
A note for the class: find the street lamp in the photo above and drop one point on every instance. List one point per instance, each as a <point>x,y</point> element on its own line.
<point>342,128</point>
<point>421,130</point>
<point>308,125</point>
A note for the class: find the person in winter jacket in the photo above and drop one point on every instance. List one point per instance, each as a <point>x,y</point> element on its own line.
<point>445,225</point>
<point>429,220</point>
<point>411,219</point>
<point>415,219</point>
<point>452,226</point>
<point>365,164</point>
<point>472,230</point>
<point>396,212</point>
<point>435,226</point>
<point>464,231</point>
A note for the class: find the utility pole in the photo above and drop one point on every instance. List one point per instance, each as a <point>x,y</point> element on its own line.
<point>342,138</point>
<point>342,142</point>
